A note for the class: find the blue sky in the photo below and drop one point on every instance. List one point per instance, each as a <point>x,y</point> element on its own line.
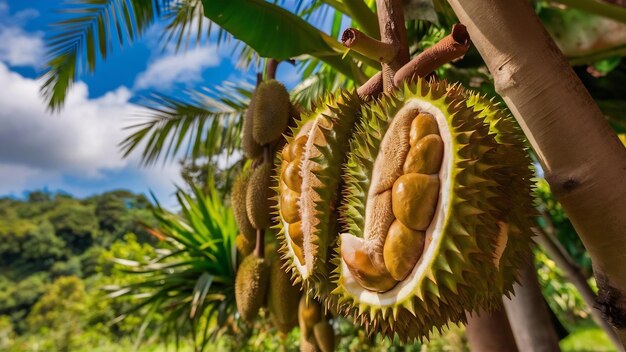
<point>76,150</point>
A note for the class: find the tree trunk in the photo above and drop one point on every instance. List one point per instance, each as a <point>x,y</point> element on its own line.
<point>490,332</point>
<point>528,313</point>
<point>583,160</point>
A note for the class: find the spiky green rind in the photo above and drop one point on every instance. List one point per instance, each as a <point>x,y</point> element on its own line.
<point>516,181</point>
<point>270,112</point>
<point>238,203</point>
<point>251,286</point>
<point>260,196</point>
<point>459,274</point>
<point>282,298</point>
<point>336,117</point>
<point>251,149</point>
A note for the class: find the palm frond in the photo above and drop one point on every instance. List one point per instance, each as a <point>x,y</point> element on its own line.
<point>192,284</point>
<point>91,28</point>
<point>206,122</point>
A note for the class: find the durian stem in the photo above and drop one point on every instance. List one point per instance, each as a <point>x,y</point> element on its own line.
<point>393,32</point>
<point>270,68</point>
<point>490,332</point>
<point>573,275</point>
<point>583,160</point>
<point>259,249</point>
<point>451,47</point>
<point>368,47</point>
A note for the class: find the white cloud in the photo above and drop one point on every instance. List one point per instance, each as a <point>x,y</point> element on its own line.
<point>184,67</point>
<point>39,149</point>
<point>18,47</point>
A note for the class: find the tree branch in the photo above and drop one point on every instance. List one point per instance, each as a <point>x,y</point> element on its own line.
<point>450,48</point>
<point>392,31</point>
<point>368,47</point>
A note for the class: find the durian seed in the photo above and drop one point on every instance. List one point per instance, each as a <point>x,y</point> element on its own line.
<point>296,148</point>
<point>259,196</point>
<point>403,248</point>
<point>324,336</point>
<point>289,206</point>
<point>295,233</point>
<point>414,198</point>
<point>271,111</point>
<point>423,125</point>
<point>309,313</point>
<point>251,286</point>
<point>360,265</point>
<point>297,250</point>
<point>425,156</point>
<point>291,175</point>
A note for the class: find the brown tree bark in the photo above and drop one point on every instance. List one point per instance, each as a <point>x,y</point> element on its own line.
<point>392,31</point>
<point>528,314</point>
<point>583,160</point>
<point>490,332</point>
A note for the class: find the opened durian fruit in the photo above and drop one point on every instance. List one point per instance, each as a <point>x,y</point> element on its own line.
<point>309,170</point>
<point>428,218</point>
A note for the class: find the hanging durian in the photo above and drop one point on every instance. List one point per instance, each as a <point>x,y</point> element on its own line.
<point>251,286</point>
<point>309,314</point>
<point>259,196</point>
<point>271,111</point>
<point>238,203</point>
<point>309,177</point>
<point>436,211</point>
<point>324,336</point>
<point>283,297</point>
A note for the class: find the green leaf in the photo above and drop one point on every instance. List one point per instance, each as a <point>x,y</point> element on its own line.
<point>269,29</point>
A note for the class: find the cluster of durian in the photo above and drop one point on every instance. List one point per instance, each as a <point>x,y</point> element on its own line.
<point>407,212</point>
<point>316,331</point>
<point>260,279</point>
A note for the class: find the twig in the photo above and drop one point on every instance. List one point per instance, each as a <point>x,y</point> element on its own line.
<point>367,46</point>
<point>451,47</point>
<point>372,88</point>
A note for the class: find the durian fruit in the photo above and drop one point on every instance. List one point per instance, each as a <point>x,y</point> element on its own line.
<point>251,286</point>
<point>324,336</point>
<point>238,203</point>
<point>308,344</point>
<point>309,314</point>
<point>251,148</point>
<point>271,111</point>
<point>283,297</point>
<point>259,197</point>
<point>308,187</point>
<point>244,245</point>
<point>437,210</point>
